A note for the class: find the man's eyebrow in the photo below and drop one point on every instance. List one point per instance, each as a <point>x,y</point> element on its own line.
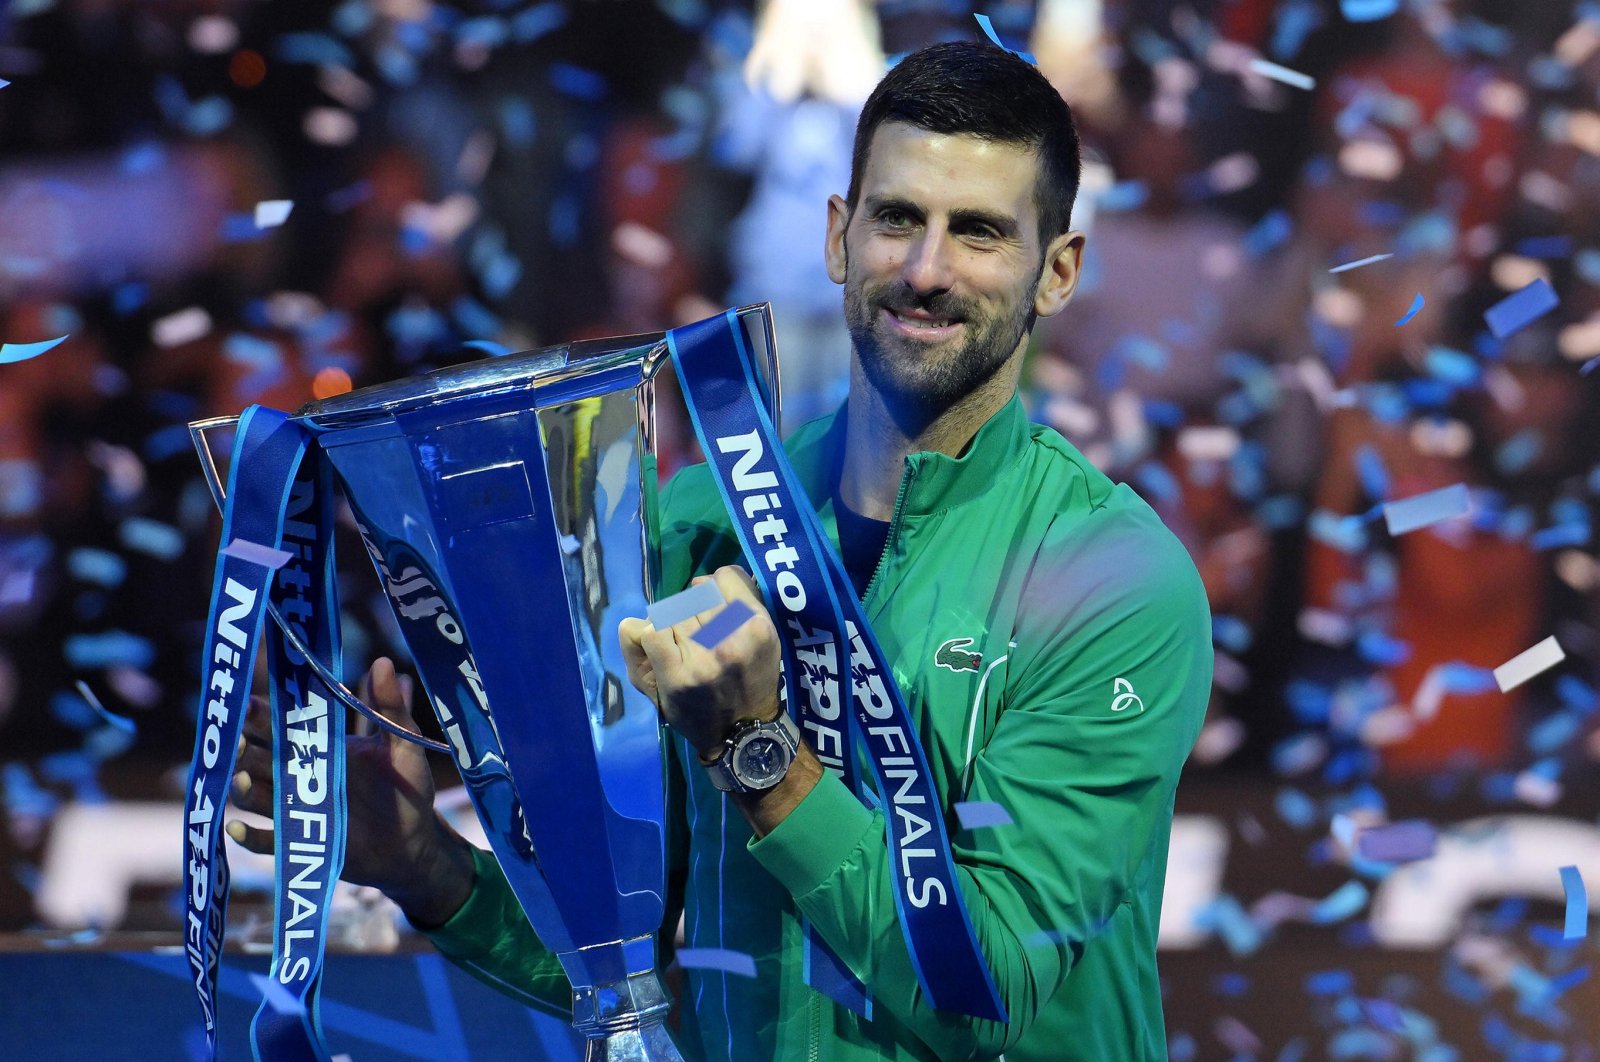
<point>876,204</point>
<point>1004,224</point>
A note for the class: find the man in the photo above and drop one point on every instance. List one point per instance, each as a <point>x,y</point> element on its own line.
<point>1051,637</point>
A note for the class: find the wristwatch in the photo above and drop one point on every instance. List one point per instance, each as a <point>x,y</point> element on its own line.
<point>755,755</point>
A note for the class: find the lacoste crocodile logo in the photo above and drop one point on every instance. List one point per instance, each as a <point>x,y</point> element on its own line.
<point>953,655</point>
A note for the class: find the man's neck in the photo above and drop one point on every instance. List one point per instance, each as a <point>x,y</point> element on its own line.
<point>877,442</point>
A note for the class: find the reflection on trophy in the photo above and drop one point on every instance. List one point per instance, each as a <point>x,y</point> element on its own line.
<point>509,508</point>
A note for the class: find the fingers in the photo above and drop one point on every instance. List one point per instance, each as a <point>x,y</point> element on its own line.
<point>253,838</point>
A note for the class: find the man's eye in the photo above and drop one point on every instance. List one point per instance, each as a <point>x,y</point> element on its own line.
<point>894,219</point>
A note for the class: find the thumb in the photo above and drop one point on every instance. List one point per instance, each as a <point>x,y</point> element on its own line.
<point>389,693</point>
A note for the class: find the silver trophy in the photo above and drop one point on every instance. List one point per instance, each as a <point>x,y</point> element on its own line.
<point>510,507</point>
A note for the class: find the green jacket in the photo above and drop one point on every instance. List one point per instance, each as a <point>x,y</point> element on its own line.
<point>1053,642</point>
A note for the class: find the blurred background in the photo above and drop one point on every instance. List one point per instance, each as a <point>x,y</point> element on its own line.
<point>1366,857</point>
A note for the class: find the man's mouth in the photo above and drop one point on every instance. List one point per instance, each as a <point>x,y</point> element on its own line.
<point>921,325</point>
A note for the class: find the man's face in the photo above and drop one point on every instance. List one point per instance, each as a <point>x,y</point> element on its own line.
<point>941,263</point>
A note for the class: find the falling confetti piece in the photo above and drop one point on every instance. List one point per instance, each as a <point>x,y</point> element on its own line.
<point>10,352</point>
<point>724,959</point>
<point>1525,665</point>
<point>256,553</point>
<point>1367,10</point>
<point>1340,904</point>
<point>1416,308</point>
<point>1398,842</point>
<point>1363,262</point>
<point>3,82</point>
<point>723,624</point>
<point>988,31</point>
<point>978,814</point>
<point>1521,308</point>
<point>270,213</point>
<point>494,350</point>
<point>185,326</point>
<point>670,611</point>
<point>1422,510</point>
<point>1577,904</point>
<point>1282,74</point>
<point>278,997</point>
<point>121,722</point>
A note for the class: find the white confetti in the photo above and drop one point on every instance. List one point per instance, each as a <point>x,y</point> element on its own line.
<point>270,213</point>
<point>185,326</point>
<point>1292,78</point>
<point>1525,665</point>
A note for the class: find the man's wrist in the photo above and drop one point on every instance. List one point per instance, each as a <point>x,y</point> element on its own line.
<point>766,809</point>
<point>445,882</point>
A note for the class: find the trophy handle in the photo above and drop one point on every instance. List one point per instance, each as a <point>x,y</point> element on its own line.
<point>208,465</point>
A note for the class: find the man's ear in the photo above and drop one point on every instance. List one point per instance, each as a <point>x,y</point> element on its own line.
<point>834,250</point>
<point>1063,262</point>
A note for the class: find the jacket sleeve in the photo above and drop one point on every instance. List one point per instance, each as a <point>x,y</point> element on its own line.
<point>1086,778</point>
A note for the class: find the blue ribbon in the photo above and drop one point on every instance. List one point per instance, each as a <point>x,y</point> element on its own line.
<point>308,775</point>
<point>819,621</point>
<point>267,453</point>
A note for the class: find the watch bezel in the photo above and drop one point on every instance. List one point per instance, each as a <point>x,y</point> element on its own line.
<point>724,770</point>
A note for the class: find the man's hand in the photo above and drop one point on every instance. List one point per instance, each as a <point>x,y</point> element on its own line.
<point>395,842</point>
<point>702,692</point>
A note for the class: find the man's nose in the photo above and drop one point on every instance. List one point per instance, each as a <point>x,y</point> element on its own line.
<point>929,266</point>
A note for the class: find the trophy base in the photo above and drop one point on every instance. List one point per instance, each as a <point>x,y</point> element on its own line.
<point>649,1043</point>
<point>623,1021</point>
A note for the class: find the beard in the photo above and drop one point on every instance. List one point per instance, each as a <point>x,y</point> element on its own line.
<point>918,379</point>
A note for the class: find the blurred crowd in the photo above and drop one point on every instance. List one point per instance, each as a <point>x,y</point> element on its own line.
<point>514,174</point>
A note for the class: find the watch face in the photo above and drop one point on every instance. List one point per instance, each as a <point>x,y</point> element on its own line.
<point>761,761</point>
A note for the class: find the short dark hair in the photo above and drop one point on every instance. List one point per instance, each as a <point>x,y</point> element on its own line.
<point>984,91</point>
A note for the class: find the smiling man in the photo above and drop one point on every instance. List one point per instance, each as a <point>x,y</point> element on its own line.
<point>1051,638</point>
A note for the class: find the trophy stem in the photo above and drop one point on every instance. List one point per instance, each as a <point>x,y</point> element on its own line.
<point>624,1021</point>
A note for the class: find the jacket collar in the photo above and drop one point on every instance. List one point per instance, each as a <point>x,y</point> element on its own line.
<point>938,482</point>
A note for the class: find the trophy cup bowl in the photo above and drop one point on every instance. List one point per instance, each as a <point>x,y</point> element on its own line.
<point>510,507</point>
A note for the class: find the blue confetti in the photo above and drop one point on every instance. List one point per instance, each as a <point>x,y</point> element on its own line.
<point>1331,983</point>
<point>988,31</point>
<point>723,624</point>
<point>1398,842</point>
<point>1272,231</point>
<point>1123,196</point>
<point>10,352</point>
<point>1374,477</point>
<point>1340,904</point>
<point>1416,308</point>
<point>279,998</point>
<point>1238,931</point>
<point>314,49</point>
<point>577,82</point>
<point>685,605</point>
<point>494,350</point>
<point>144,535</point>
<point>97,566</point>
<point>1521,308</point>
<point>724,959</point>
<point>1363,262</point>
<point>537,21</point>
<point>1295,808</point>
<point>981,814</point>
<point>1282,74</point>
<point>93,652</point>
<point>1577,926</point>
<point>1368,10</point>
<point>1423,510</point>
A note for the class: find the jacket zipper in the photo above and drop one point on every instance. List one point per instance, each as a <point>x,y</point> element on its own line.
<point>894,527</point>
<point>813,1003</point>
<point>814,1021</point>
